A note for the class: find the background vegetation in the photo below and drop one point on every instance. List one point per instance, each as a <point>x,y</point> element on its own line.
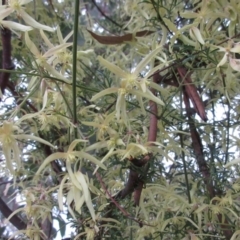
<point>120,119</point>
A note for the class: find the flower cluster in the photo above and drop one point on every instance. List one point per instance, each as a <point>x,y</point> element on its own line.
<point>16,6</point>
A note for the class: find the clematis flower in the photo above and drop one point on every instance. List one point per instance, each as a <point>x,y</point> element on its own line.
<point>196,34</point>
<point>17,6</point>
<point>235,64</point>
<point>10,24</point>
<point>231,48</point>
<point>134,150</point>
<point>61,56</point>
<point>79,186</point>
<point>78,192</point>
<point>43,59</point>
<point>102,124</point>
<point>112,144</point>
<point>9,134</point>
<point>71,157</point>
<point>130,83</point>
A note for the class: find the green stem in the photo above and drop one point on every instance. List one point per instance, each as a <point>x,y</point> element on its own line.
<point>65,100</point>
<point>74,77</point>
<point>183,153</point>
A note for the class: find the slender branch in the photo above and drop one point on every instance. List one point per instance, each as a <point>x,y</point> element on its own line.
<point>6,57</point>
<point>108,18</point>
<point>183,156</point>
<point>125,213</point>
<point>202,164</point>
<point>156,8</point>
<point>15,220</point>
<point>180,61</point>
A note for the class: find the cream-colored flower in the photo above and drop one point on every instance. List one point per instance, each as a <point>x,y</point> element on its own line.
<point>62,55</point>
<point>231,48</point>
<point>17,6</point>
<point>9,134</point>
<point>43,59</point>
<point>4,12</point>
<point>78,191</point>
<point>195,34</point>
<point>71,157</point>
<point>130,84</point>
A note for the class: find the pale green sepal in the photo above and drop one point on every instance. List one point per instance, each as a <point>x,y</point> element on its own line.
<point>30,21</point>
<point>110,220</point>
<point>146,60</point>
<point>189,14</point>
<point>60,192</point>
<point>156,86</point>
<point>55,73</point>
<point>103,93</point>
<point>235,161</point>
<point>223,61</point>
<point>236,48</point>
<point>111,152</point>
<point>149,96</point>
<point>235,64</point>
<point>31,45</point>
<point>170,25</point>
<point>52,157</point>
<point>111,67</point>
<point>95,146</point>
<point>89,157</point>
<point>69,201</point>
<point>59,34</point>
<point>45,38</point>
<point>86,194</point>
<point>78,203</point>
<point>4,13</point>
<point>16,26</point>
<point>55,49</point>
<point>34,138</point>
<point>74,143</point>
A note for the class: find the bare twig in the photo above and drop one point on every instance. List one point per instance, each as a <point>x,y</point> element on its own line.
<point>108,18</point>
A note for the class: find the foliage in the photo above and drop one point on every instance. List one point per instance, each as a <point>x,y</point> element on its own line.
<point>120,119</point>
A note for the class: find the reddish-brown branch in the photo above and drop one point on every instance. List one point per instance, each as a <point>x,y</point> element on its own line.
<point>130,185</point>
<point>6,58</point>
<point>192,93</point>
<point>198,151</point>
<point>104,15</point>
<point>15,220</point>
<point>152,136</point>
<point>125,213</point>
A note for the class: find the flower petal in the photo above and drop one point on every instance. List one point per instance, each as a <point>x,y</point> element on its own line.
<point>16,26</point>
<point>5,12</point>
<point>148,94</point>
<point>74,143</point>
<point>146,60</point>
<point>30,21</point>
<point>49,159</point>
<point>111,67</point>
<point>31,45</point>
<point>195,33</point>
<point>89,157</point>
<point>46,40</point>
<point>236,48</point>
<point>223,61</point>
<point>60,192</point>
<point>86,193</point>
<point>235,64</point>
<point>103,93</point>
<point>55,49</point>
